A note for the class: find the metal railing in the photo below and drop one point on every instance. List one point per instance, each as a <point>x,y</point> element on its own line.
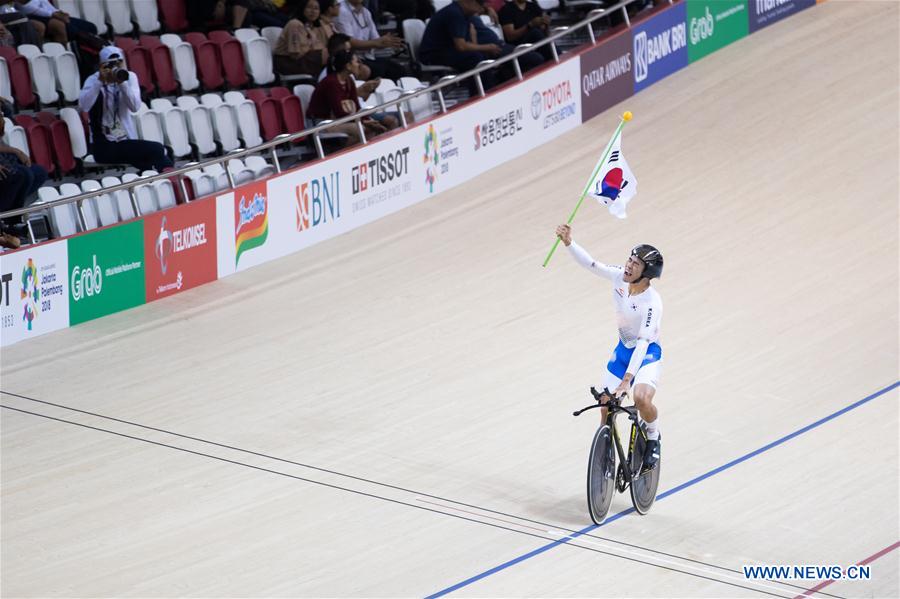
<point>324,126</point>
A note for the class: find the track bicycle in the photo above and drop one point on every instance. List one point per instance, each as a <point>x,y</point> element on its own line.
<point>603,477</point>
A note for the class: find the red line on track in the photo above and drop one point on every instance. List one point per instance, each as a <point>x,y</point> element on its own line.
<point>868,560</point>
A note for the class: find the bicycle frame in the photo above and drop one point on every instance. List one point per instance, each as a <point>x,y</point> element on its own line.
<point>614,407</point>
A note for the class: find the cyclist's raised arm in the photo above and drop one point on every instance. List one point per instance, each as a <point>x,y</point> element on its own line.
<point>564,232</point>
<point>598,268</point>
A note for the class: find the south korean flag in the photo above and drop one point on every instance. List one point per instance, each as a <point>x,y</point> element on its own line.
<point>614,184</point>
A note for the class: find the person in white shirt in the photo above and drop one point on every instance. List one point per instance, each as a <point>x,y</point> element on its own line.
<point>355,20</point>
<point>637,358</point>
<point>109,96</point>
<point>60,26</point>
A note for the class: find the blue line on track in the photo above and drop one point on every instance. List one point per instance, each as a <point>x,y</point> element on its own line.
<point>663,495</point>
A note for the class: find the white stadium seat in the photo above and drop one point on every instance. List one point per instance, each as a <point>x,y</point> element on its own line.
<point>420,106</point>
<point>162,190</point>
<point>76,132</point>
<point>259,166</point>
<point>92,10</point>
<point>224,122</point>
<point>65,70</point>
<point>146,198</point>
<point>204,184</point>
<point>121,199</point>
<point>107,212</point>
<point>184,61</point>
<point>201,128</point>
<point>5,82</point>
<point>271,34</point>
<point>43,77</point>
<point>62,218</point>
<point>304,91</point>
<point>217,172</point>
<point>239,172</point>
<point>176,131</point>
<point>15,136</point>
<point>257,55</point>
<point>149,124</point>
<point>246,118</point>
<point>88,209</point>
<point>146,14</point>
<point>118,14</point>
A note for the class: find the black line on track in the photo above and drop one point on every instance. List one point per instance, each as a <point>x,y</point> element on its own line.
<point>388,499</point>
<point>373,482</point>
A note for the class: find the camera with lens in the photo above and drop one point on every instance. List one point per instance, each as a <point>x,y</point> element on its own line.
<point>121,74</point>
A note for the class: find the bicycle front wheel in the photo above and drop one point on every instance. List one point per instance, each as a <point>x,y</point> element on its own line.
<point>601,480</point>
<point>645,482</point>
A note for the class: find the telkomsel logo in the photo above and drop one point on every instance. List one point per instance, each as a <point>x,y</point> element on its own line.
<point>87,281</point>
<point>378,171</point>
<point>648,50</point>
<point>30,293</point>
<point>252,219</point>
<point>317,201</point>
<point>163,246</point>
<point>556,103</point>
<point>498,128</point>
<point>431,158</point>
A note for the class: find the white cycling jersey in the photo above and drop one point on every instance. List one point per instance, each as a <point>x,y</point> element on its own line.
<point>638,317</point>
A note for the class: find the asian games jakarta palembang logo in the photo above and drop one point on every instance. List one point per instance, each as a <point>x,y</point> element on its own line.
<point>30,292</point>
<point>431,157</point>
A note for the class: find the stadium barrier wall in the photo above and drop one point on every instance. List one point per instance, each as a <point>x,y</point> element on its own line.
<point>65,282</point>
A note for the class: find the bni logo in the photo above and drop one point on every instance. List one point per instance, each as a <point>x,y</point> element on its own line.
<point>317,201</point>
<point>641,57</point>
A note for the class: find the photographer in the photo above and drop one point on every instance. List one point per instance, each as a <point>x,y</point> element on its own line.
<point>109,96</point>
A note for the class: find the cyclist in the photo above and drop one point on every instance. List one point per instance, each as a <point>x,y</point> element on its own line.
<point>637,358</point>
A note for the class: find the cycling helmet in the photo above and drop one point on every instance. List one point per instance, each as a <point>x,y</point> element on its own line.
<point>652,259</point>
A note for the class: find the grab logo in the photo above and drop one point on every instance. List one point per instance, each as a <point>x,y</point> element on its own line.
<point>86,281</point>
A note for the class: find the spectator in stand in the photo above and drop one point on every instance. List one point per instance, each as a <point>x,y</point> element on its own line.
<point>457,37</point>
<point>302,48</point>
<point>23,30</point>
<point>524,22</point>
<point>448,38</point>
<point>329,11</point>
<point>355,20</point>
<point>486,35</point>
<point>19,179</point>
<point>109,96</point>
<point>336,97</point>
<point>60,26</point>
<point>256,13</point>
<point>360,71</point>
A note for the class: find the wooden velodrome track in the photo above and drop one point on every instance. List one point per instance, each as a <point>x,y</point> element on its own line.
<point>390,411</point>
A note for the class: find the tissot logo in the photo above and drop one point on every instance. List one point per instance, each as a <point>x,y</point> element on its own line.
<point>378,171</point>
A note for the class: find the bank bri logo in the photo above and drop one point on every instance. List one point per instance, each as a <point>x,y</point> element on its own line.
<point>660,46</point>
<point>251,216</point>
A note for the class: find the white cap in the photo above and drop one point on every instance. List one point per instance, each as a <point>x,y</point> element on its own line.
<point>108,53</point>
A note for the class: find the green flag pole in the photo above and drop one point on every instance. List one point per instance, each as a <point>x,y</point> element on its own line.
<point>625,118</point>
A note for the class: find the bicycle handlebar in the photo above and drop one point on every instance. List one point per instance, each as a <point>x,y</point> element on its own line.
<point>613,403</point>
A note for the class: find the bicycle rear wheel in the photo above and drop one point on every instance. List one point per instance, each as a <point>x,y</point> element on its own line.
<point>645,482</point>
<point>601,474</point>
